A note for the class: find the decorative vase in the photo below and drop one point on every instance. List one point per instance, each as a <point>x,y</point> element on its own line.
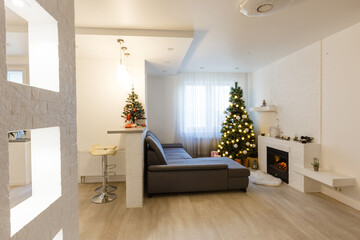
<point>316,168</point>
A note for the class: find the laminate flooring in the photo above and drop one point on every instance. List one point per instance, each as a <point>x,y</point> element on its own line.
<point>261,213</point>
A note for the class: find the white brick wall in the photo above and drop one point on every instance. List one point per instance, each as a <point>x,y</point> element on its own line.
<point>293,85</point>
<point>24,107</point>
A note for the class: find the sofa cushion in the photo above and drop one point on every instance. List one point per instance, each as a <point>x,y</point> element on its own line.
<point>234,169</point>
<point>176,153</point>
<point>157,148</point>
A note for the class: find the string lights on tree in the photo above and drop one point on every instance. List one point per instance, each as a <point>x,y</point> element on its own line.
<point>238,137</point>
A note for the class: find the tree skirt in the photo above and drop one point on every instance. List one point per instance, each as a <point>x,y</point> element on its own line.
<point>261,178</point>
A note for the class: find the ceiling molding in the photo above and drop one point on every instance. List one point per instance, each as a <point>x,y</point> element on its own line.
<point>135,32</point>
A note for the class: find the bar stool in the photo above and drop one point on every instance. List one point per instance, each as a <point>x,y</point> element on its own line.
<point>108,187</point>
<point>104,190</point>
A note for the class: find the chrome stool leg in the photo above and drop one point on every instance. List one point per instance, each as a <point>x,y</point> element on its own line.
<point>104,196</point>
<point>108,188</point>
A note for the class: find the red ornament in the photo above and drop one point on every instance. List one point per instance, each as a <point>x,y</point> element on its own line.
<point>134,109</point>
<point>128,116</point>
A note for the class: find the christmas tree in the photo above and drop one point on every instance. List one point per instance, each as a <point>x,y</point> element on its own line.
<point>133,109</point>
<point>238,137</point>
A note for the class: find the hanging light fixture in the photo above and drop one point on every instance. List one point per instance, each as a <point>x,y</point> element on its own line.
<point>122,69</point>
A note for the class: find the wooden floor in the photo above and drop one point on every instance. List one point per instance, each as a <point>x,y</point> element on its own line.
<point>261,213</point>
<point>18,194</point>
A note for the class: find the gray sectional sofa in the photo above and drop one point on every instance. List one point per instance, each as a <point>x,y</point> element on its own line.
<point>169,168</point>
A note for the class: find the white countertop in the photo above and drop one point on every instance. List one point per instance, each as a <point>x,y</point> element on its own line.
<point>127,130</point>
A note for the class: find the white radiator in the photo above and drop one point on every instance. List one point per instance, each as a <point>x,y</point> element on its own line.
<point>91,165</point>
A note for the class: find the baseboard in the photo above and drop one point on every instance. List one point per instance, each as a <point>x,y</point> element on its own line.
<point>98,179</point>
<point>340,197</point>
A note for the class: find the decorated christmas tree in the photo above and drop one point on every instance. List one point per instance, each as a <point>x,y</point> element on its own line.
<point>133,109</point>
<point>238,138</point>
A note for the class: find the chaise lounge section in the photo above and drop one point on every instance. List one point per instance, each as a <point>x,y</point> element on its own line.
<point>169,169</point>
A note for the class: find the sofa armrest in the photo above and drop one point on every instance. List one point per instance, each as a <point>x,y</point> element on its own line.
<point>172,145</point>
<point>164,168</point>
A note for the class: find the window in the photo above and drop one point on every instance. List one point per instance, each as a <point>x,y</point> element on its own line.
<point>202,100</point>
<point>17,74</point>
<point>204,108</point>
<point>194,105</point>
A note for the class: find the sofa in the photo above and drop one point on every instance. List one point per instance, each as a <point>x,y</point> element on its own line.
<point>170,169</point>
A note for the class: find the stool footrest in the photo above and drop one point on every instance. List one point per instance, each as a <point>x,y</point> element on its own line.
<point>111,166</point>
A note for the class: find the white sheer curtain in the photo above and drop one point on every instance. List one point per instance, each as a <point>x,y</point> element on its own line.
<point>202,100</point>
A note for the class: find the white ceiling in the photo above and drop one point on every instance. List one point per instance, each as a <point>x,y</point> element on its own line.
<point>155,50</point>
<point>225,40</point>
<point>13,19</point>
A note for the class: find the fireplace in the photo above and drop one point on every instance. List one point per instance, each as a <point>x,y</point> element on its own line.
<point>278,163</point>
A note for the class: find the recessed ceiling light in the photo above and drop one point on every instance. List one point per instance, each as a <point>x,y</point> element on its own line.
<point>265,8</point>
<point>170,49</point>
<point>164,71</point>
<point>201,67</point>
<point>236,68</point>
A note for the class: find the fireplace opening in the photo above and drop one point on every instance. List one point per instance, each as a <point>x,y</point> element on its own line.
<point>278,163</point>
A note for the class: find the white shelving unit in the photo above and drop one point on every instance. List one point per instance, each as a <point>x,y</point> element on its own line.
<point>327,177</point>
<point>264,109</point>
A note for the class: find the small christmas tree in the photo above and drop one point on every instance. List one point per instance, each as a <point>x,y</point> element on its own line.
<point>238,138</point>
<point>133,109</point>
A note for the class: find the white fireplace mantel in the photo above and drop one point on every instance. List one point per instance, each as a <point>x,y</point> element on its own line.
<point>300,155</point>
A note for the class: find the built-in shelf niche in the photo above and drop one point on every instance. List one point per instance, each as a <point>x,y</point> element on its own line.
<point>45,177</point>
<point>42,42</point>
